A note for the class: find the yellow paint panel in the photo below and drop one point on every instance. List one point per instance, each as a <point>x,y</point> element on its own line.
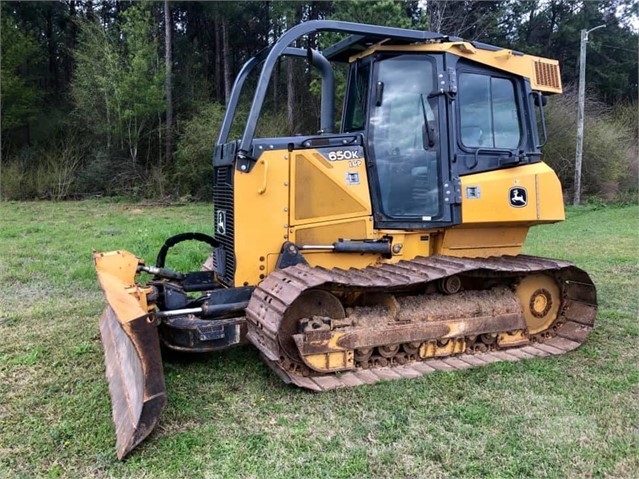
<point>483,242</point>
<point>550,202</point>
<point>261,214</point>
<point>409,243</point>
<point>432,349</point>
<point>491,225</point>
<point>517,338</point>
<point>120,264</point>
<point>543,73</point>
<point>329,260</point>
<point>325,190</point>
<point>328,233</point>
<point>333,361</point>
<point>485,196</point>
<point>116,274</point>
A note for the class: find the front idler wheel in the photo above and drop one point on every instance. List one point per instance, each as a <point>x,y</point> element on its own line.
<point>540,298</point>
<point>313,303</point>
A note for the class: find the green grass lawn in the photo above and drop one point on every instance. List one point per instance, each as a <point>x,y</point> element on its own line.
<point>229,416</point>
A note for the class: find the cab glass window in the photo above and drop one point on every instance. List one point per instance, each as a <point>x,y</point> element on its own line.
<point>489,117</point>
<point>404,137</point>
<point>355,118</point>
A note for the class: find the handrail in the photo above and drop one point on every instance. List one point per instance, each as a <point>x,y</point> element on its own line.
<point>327,108</point>
<point>539,100</point>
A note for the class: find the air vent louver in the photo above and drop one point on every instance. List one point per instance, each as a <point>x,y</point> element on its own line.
<point>547,74</point>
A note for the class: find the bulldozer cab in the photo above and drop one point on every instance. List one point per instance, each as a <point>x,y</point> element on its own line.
<point>421,110</point>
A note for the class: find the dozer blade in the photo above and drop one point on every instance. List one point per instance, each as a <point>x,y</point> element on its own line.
<point>131,352</point>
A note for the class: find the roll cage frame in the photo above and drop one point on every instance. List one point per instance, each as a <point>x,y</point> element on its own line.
<point>361,37</point>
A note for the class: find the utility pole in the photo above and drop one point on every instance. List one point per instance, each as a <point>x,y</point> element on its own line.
<point>580,113</point>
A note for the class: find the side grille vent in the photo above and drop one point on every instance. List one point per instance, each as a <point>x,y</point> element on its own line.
<point>224,224</point>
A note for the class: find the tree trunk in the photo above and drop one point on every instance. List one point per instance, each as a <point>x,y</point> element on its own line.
<point>290,96</point>
<point>168,83</point>
<point>529,27</point>
<point>70,43</point>
<point>553,21</point>
<point>53,66</point>
<point>226,58</point>
<point>89,9</point>
<point>276,78</point>
<point>218,75</point>
<point>290,85</point>
<point>277,71</point>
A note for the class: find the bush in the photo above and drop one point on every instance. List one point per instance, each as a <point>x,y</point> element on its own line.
<point>197,137</point>
<point>95,177</point>
<point>610,166</point>
<point>14,176</point>
<point>42,173</point>
<point>193,165</point>
<point>56,173</point>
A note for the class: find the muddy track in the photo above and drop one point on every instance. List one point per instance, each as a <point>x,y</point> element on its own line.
<point>279,290</point>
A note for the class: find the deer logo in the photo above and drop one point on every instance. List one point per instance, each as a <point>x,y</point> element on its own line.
<point>220,222</point>
<point>518,197</point>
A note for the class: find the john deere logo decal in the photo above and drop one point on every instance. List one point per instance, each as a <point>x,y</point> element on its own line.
<point>518,197</point>
<point>220,222</point>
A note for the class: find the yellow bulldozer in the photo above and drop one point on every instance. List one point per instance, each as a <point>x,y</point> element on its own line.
<point>383,248</point>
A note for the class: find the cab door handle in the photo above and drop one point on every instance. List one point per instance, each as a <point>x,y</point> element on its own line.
<point>262,189</point>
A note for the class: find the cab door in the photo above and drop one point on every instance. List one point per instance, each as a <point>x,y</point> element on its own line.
<point>407,144</point>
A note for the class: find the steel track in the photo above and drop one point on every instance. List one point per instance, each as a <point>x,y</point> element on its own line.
<point>281,288</point>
